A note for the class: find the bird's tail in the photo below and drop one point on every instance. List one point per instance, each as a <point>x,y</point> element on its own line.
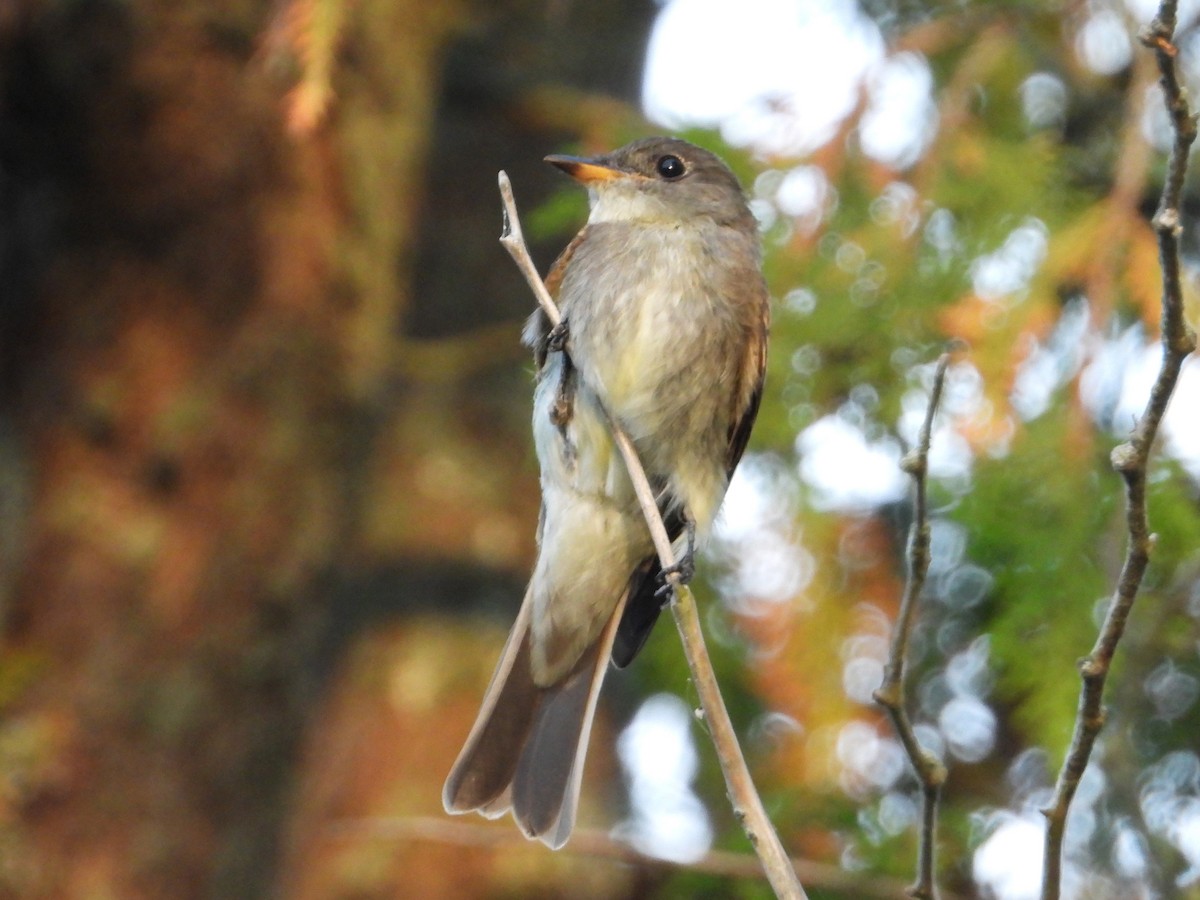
<point>527,747</point>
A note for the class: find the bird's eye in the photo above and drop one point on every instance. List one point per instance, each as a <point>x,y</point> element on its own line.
<point>670,167</point>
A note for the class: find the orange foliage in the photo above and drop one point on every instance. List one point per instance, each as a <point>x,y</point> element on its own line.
<point>804,645</point>
<point>311,31</point>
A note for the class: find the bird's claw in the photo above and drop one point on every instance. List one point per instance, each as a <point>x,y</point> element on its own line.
<point>684,569</point>
<point>556,340</point>
<point>685,566</point>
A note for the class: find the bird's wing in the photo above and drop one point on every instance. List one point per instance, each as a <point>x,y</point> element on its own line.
<point>644,605</point>
<point>746,401</point>
<point>559,267</point>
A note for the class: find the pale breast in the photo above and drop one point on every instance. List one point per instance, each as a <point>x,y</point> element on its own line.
<point>656,327</point>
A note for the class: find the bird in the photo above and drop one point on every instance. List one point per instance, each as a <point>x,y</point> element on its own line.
<point>665,318</point>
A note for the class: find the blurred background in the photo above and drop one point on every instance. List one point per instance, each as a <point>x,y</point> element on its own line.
<point>268,497</point>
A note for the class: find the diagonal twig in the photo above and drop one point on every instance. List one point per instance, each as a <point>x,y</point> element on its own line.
<point>1131,458</point>
<point>930,771</point>
<point>747,805</point>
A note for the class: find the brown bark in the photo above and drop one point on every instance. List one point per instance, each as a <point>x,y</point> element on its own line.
<point>219,454</point>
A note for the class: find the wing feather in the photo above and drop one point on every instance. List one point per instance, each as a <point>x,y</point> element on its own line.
<point>641,612</point>
<point>537,328</point>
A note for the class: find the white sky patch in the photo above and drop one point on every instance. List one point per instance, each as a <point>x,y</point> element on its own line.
<point>802,191</point>
<point>751,66</point>
<point>1010,268</point>
<point>1008,864</point>
<point>898,204</point>
<point>901,117</point>
<point>1044,100</point>
<point>1171,808</point>
<point>1052,363</point>
<point>1101,383</point>
<point>863,656</point>
<point>804,194</point>
<point>995,866</point>
<point>1129,372</point>
<point>844,470</point>
<point>869,762</point>
<point>1156,124</point>
<point>760,495</point>
<point>1185,835</point>
<point>969,728</point>
<point>658,755</point>
<point>1131,856</point>
<point>755,532</point>
<point>1103,42</point>
<point>771,567</point>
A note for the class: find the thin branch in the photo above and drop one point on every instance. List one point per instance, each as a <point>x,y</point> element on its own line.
<point>512,238</point>
<point>1131,459</point>
<point>602,845</point>
<point>747,805</point>
<point>930,771</point>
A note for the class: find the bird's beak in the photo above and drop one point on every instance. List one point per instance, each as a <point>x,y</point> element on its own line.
<point>586,171</point>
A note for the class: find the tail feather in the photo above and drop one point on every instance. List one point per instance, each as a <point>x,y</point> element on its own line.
<point>526,751</point>
<point>482,774</point>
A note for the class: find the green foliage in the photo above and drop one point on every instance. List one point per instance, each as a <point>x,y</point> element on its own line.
<point>1173,502</point>
<point>1044,526</point>
<point>559,216</point>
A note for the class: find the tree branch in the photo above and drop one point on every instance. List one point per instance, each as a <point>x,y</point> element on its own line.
<point>601,845</point>
<point>747,805</point>
<point>1131,458</point>
<point>930,771</point>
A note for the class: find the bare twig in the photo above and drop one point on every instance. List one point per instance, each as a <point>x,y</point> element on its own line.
<point>1131,458</point>
<point>601,845</point>
<point>747,805</point>
<point>930,771</point>
<point>512,238</point>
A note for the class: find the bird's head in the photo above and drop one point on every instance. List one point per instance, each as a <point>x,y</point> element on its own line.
<point>661,180</point>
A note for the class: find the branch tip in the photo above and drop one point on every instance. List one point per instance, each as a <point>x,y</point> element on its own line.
<point>506,195</point>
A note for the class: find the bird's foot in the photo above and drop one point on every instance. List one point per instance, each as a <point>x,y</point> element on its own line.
<point>684,569</point>
<point>556,340</point>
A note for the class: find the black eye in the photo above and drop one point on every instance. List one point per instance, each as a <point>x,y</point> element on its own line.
<point>670,167</point>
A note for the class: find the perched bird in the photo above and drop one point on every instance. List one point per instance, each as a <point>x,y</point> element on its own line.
<point>665,318</point>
